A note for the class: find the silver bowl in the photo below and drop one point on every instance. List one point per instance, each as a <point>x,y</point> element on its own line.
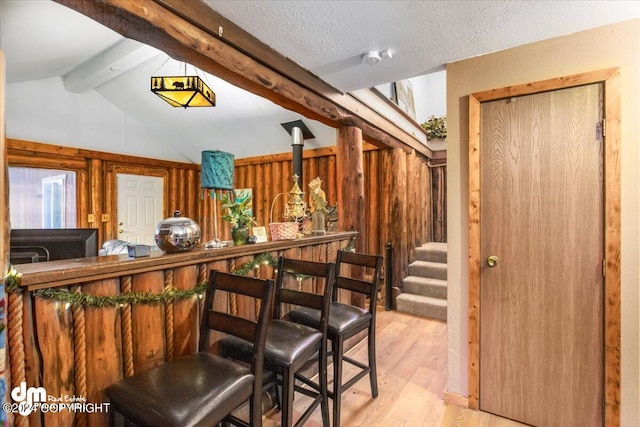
<point>177,234</point>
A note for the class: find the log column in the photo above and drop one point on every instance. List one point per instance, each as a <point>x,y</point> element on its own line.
<point>4,180</point>
<point>4,229</point>
<point>398,217</point>
<point>350,176</point>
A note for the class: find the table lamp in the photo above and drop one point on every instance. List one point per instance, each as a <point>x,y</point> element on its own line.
<point>216,174</point>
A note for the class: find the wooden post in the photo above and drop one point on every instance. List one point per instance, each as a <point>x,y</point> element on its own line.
<point>4,212</point>
<point>350,180</point>
<point>4,181</point>
<point>350,177</point>
<point>398,215</point>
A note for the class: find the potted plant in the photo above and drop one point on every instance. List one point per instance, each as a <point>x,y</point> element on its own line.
<point>436,127</point>
<point>238,213</point>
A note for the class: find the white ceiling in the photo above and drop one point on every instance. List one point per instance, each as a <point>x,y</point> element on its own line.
<point>42,40</point>
<point>329,37</point>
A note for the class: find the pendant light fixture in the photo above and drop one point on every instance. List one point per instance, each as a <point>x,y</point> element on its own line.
<point>183,91</point>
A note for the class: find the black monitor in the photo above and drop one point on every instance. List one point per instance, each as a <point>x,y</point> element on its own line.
<point>50,244</point>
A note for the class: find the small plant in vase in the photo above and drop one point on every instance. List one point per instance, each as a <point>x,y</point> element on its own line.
<point>238,213</point>
<point>436,127</point>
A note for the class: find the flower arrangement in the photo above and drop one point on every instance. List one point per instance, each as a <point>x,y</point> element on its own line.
<point>436,127</point>
<point>238,211</point>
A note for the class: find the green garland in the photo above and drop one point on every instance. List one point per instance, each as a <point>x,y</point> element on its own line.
<point>77,298</point>
<point>264,258</point>
<point>12,280</point>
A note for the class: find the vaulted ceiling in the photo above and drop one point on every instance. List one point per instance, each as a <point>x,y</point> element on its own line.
<point>44,40</point>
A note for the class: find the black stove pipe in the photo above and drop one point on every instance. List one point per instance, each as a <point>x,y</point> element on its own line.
<point>297,142</point>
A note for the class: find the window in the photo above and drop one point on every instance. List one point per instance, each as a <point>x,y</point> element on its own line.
<point>42,198</point>
<point>53,207</point>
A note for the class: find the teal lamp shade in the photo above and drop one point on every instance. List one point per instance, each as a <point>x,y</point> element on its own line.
<point>217,170</point>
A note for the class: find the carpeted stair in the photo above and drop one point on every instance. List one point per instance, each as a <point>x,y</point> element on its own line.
<point>425,288</point>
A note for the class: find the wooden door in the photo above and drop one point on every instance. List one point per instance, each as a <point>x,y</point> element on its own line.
<point>541,305</point>
<point>140,207</point>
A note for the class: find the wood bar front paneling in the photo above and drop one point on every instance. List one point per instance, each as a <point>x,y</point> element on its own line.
<point>75,350</point>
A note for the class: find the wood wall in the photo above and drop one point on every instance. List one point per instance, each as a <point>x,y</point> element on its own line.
<point>398,191</point>
<point>397,194</point>
<point>439,202</point>
<point>95,180</point>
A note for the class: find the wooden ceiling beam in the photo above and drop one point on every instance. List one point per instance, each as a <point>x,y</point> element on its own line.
<point>173,28</point>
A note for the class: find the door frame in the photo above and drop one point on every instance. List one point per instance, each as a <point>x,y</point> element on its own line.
<point>610,78</point>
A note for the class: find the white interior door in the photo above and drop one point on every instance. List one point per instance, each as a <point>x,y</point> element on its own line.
<point>140,207</point>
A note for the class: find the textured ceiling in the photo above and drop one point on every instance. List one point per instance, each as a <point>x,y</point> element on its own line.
<point>102,71</point>
<point>329,37</point>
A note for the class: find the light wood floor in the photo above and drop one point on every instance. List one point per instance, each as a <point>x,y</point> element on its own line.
<point>412,374</point>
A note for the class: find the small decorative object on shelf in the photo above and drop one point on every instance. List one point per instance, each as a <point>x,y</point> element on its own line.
<point>177,234</point>
<point>137,251</point>
<point>294,214</point>
<point>239,215</point>
<point>296,202</point>
<point>260,233</point>
<point>436,127</point>
<point>317,207</point>
<point>240,235</point>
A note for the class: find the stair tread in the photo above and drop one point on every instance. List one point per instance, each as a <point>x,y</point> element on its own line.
<point>435,245</point>
<point>433,252</point>
<point>429,264</point>
<point>425,280</point>
<point>419,305</point>
<point>434,270</point>
<point>422,299</point>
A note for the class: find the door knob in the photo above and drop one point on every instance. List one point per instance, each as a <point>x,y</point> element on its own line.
<point>120,230</point>
<point>492,261</point>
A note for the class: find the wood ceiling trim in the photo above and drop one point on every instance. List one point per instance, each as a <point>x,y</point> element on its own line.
<point>159,25</point>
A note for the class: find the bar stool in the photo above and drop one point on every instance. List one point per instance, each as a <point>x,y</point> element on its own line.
<point>203,389</point>
<point>345,321</point>
<point>290,346</point>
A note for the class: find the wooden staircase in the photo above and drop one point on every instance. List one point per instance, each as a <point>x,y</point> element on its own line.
<point>425,288</point>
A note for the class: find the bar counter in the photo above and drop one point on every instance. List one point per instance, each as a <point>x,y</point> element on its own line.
<point>74,350</point>
<point>65,272</point>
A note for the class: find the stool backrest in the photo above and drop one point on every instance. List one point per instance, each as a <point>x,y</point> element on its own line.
<point>322,271</point>
<point>254,331</point>
<point>372,265</point>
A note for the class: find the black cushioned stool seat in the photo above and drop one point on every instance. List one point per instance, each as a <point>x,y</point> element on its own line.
<point>203,389</point>
<point>342,318</point>
<point>290,346</point>
<point>196,390</point>
<point>347,320</point>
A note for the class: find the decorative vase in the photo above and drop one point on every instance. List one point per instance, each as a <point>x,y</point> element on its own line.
<point>240,235</point>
